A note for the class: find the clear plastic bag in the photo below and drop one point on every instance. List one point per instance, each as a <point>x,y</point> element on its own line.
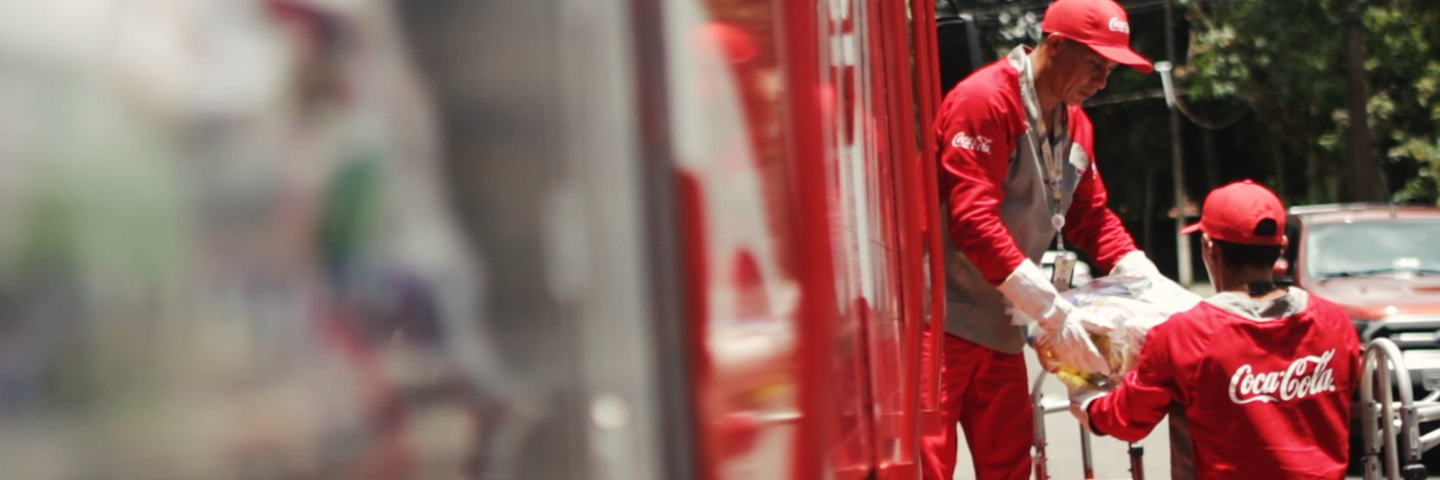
<point>1118,311</point>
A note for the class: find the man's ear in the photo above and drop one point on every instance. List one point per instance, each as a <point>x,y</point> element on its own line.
<point>1284,244</point>
<point>1208,247</point>
<point>1054,43</point>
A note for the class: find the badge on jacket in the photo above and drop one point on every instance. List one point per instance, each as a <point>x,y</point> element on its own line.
<point>1063,273</point>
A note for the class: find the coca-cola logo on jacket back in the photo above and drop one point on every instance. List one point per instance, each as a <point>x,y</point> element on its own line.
<point>1306,376</point>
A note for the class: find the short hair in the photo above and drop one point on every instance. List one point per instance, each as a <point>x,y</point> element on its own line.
<point>1241,255</point>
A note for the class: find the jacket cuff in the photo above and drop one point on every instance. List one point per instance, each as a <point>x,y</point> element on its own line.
<point>1135,263</point>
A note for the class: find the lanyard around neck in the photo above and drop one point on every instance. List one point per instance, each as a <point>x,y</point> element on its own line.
<point>1051,169</point>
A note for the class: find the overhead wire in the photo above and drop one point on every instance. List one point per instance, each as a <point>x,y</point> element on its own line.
<point>1209,124</point>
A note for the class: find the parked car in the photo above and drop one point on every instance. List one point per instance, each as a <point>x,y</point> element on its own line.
<point>1382,264</point>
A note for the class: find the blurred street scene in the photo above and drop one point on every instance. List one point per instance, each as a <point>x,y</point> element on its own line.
<point>227,249</point>
<point>607,239</point>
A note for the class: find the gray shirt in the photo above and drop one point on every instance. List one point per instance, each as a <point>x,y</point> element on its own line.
<point>974,309</point>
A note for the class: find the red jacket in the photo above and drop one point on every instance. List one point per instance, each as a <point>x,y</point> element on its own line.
<point>998,208</point>
<point>1263,399</point>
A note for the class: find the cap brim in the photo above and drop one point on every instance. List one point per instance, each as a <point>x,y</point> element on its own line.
<point>1124,56</point>
<point>1189,229</point>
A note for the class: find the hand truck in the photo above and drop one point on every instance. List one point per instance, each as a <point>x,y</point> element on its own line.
<point>1043,407</point>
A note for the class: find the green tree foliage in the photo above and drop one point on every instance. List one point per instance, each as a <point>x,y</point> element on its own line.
<point>1286,60</point>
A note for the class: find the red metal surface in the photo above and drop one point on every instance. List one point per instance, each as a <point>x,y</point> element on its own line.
<point>902,123</point>
<point>853,371</point>
<point>852,229</point>
<point>746,249</point>
<point>906,470</point>
<point>887,335</point>
<point>817,300</point>
<point>927,62</point>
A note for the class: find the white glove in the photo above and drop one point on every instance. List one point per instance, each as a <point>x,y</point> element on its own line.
<point>1137,264</point>
<point>1033,297</point>
<point>1163,291</point>
<point>1080,399</point>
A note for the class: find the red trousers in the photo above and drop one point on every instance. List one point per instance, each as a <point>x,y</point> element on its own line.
<point>987,393</point>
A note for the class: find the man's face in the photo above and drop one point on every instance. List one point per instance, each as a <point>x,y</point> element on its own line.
<point>1080,72</point>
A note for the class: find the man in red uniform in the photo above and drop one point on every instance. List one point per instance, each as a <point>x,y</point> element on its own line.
<point>1262,374</point>
<point>1017,174</point>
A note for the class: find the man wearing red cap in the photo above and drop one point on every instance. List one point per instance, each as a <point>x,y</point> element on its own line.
<point>1017,173</point>
<point>1262,374</point>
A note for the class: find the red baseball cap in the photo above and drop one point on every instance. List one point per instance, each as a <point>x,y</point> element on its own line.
<point>1235,213</point>
<point>1100,24</point>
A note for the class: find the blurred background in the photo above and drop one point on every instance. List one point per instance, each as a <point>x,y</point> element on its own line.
<point>229,248</point>
<point>305,239</point>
